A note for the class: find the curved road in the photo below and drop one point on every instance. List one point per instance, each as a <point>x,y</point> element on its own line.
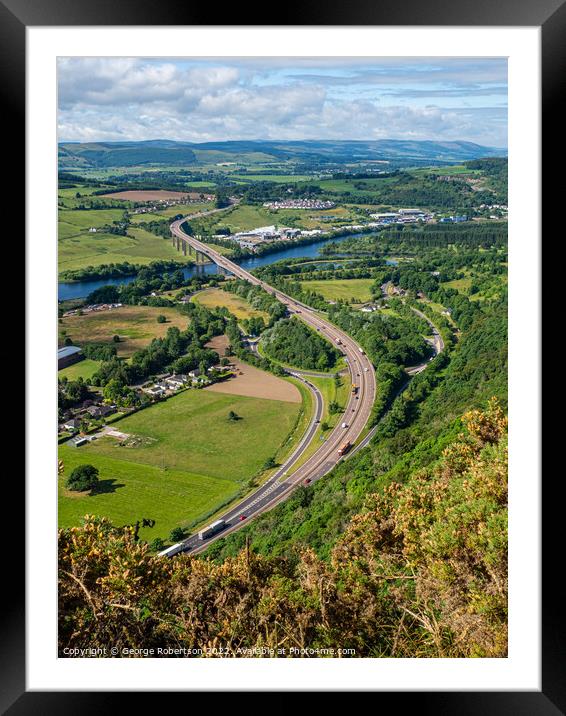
<point>356,414</point>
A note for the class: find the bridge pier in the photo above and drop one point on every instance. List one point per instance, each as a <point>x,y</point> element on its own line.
<point>178,242</point>
<point>184,248</point>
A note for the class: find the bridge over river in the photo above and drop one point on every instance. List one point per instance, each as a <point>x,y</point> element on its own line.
<point>356,413</point>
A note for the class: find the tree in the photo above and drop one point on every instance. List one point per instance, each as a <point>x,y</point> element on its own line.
<point>116,339</point>
<point>68,341</point>
<point>113,390</point>
<point>177,534</point>
<point>83,477</point>
<point>334,407</point>
<point>222,199</point>
<point>161,318</point>
<point>233,416</point>
<point>157,544</point>
<point>269,463</point>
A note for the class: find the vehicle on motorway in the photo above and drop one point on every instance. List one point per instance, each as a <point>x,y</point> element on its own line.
<point>242,518</point>
<point>344,449</point>
<point>344,425</point>
<point>354,389</point>
<point>307,480</point>
<point>212,529</point>
<point>361,350</point>
<point>170,551</point>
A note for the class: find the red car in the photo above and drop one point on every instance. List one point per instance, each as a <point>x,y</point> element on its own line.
<point>242,517</point>
<point>307,481</point>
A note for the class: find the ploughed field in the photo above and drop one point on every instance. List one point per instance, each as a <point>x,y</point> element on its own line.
<point>251,381</point>
<point>182,459</point>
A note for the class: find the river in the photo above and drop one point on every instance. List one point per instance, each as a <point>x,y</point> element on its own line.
<point>81,289</point>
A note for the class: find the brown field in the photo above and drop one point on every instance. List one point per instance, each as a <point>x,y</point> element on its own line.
<point>136,326</point>
<point>148,195</point>
<point>252,382</point>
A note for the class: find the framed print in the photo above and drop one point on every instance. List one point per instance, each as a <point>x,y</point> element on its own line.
<point>292,272</point>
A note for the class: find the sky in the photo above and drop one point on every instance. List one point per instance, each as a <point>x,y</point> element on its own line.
<point>221,99</point>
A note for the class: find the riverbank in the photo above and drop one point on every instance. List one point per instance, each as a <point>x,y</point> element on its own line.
<point>80,289</point>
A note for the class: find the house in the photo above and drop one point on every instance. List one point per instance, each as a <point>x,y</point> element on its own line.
<point>194,373</point>
<point>72,424</point>
<point>155,390</point>
<point>100,411</point>
<point>176,381</point>
<point>77,442</point>
<point>68,355</point>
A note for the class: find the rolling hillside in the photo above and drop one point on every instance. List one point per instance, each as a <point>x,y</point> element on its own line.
<point>120,154</point>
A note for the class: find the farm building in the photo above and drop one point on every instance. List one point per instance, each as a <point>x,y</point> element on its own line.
<point>68,355</point>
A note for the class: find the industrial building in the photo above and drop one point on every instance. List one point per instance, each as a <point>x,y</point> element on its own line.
<point>68,355</point>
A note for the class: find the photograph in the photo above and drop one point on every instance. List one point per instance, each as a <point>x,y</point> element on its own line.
<point>282,341</point>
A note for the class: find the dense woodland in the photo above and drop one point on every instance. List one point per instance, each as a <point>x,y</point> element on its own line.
<point>290,341</point>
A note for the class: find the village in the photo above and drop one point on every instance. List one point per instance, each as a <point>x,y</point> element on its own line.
<point>83,422</point>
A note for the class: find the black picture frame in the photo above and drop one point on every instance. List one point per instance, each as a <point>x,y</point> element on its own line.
<point>550,16</point>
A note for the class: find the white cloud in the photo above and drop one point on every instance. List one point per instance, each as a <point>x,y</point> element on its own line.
<point>133,98</point>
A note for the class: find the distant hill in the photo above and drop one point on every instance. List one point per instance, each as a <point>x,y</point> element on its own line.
<point>123,154</point>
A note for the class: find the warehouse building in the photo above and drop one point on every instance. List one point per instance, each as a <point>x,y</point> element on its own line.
<point>68,355</point>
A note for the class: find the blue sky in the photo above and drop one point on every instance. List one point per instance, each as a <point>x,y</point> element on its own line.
<point>221,99</point>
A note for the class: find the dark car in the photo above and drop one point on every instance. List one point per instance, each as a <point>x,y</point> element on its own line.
<point>307,481</point>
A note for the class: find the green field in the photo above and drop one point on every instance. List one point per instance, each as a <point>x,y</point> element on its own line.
<point>83,369</point>
<point>357,288</point>
<point>213,297</point>
<point>191,459</point>
<point>462,285</point>
<point>85,249</point>
<point>277,178</point>
<point>132,491</point>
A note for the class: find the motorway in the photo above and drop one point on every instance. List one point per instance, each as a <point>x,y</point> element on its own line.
<point>356,414</point>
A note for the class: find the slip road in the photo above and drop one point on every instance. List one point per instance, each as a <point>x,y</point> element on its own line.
<point>356,414</point>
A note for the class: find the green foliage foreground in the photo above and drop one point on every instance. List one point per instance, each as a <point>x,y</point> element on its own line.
<point>421,571</point>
